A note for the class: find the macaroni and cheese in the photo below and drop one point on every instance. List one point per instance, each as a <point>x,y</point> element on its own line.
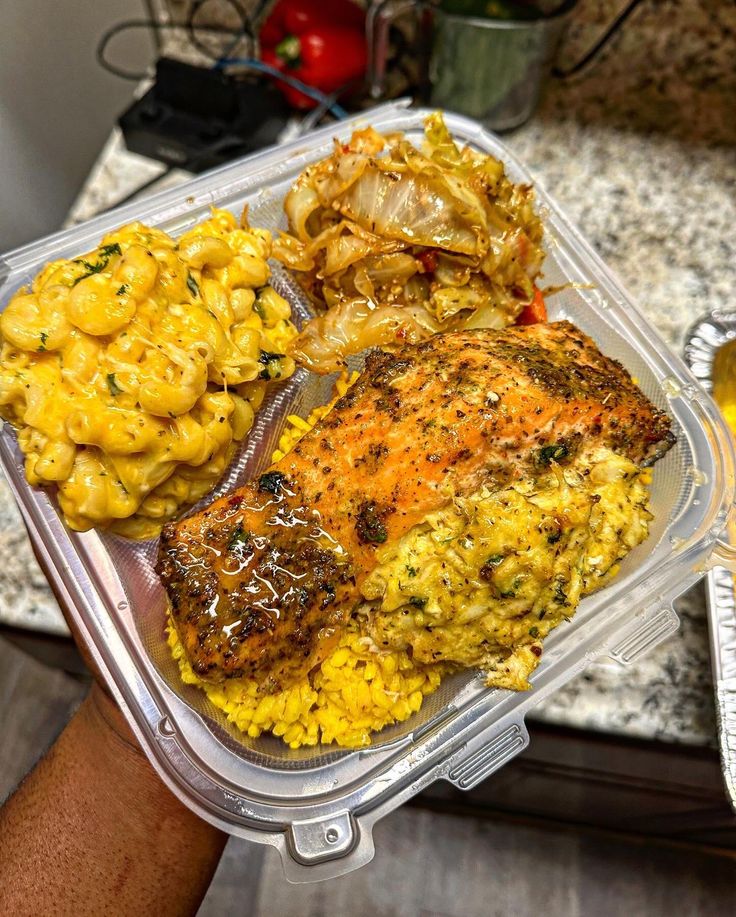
<point>130,373</point>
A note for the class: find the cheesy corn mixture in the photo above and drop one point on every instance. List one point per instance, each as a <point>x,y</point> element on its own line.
<point>132,372</point>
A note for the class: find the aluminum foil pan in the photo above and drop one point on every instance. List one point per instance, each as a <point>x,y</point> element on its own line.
<point>703,341</point>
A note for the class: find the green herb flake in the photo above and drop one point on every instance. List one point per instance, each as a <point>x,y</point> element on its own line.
<point>113,385</point>
<point>192,284</point>
<point>554,453</point>
<point>122,290</point>
<point>271,482</point>
<point>534,632</point>
<point>272,365</point>
<point>411,571</point>
<point>259,310</point>
<point>418,601</point>
<point>488,568</point>
<point>42,346</point>
<point>106,252</point>
<point>369,525</point>
<point>238,538</point>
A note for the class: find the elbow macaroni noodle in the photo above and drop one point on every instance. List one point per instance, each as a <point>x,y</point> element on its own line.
<point>130,374</point>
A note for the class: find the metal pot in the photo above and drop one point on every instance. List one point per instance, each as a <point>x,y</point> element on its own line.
<point>489,69</point>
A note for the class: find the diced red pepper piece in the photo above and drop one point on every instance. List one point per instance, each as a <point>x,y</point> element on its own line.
<point>428,259</point>
<point>533,312</point>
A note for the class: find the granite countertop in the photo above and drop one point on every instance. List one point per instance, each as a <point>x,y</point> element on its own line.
<point>660,207</point>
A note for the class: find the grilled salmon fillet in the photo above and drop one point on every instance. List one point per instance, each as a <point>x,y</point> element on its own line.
<point>262,581</point>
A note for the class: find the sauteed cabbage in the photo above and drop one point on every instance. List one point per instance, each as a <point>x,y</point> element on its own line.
<point>395,244</point>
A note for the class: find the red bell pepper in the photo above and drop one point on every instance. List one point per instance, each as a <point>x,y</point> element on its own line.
<point>320,42</point>
<point>293,17</point>
<point>533,312</point>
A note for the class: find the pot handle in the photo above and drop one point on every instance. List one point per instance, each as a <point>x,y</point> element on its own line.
<point>378,22</point>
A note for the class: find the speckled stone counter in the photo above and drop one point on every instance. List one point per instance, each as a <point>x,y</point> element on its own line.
<point>660,208</point>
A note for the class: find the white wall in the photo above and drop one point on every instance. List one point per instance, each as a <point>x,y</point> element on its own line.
<point>56,104</point>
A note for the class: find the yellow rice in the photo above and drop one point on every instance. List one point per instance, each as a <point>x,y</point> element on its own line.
<point>356,691</point>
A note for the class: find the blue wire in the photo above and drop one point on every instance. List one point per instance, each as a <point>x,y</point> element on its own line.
<point>337,110</point>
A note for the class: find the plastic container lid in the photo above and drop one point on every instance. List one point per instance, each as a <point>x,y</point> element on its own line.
<point>318,806</point>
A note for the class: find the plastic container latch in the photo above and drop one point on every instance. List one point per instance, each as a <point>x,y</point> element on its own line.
<point>322,838</point>
<point>643,638</point>
<point>487,760</point>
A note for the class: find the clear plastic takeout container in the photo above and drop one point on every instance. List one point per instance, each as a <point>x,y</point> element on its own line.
<point>317,806</point>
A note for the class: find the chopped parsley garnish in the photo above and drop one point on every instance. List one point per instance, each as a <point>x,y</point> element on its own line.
<point>486,571</point>
<point>271,363</point>
<point>534,632</point>
<point>271,481</point>
<point>122,290</point>
<point>192,284</point>
<point>411,571</point>
<point>42,346</point>
<point>369,526</point>
<point>96,267</point>
<point>92,267</point>
<point>113,385</point>
<point>553,453</point>
<point>510,592</point>
<point>418,601</point>
<point>238,538</point>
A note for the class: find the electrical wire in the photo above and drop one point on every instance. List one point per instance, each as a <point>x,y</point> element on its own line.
<point>245,30</point>
<point>601,43</point>
<point>152,25</point>
<point>251,63</point>
<point>260,10</point>
<point>337,110</point>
